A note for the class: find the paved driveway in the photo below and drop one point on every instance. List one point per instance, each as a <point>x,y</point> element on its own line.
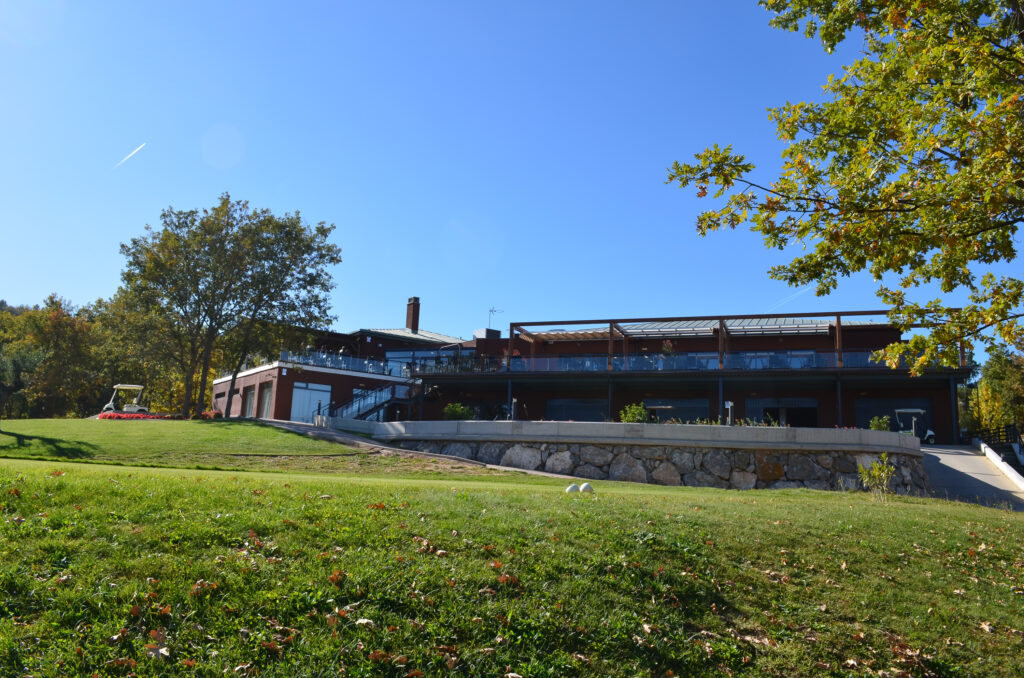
<point>962,473</point>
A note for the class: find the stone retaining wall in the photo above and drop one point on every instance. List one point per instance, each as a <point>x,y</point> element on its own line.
<point>741,469</point>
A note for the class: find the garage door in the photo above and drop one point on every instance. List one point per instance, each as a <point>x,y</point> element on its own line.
<point>306,398</point>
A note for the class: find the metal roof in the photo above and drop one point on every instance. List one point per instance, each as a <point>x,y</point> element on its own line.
<point>702,327</point>
<point>421,335</point>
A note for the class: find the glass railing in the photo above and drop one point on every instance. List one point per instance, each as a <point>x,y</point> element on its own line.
<point>860,359</point>
<point>345,362</point>
<point>779,360</point>
<point>365,402</point>
<point>675,362</point>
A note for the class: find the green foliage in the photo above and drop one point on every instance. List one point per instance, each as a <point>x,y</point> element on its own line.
<point>457,411</point>
<point>910,169</point>
<point>634,413</point>
<point>877,476</point>
<point>880,423</point>
<point>998,399</point>
<point>204,281</point>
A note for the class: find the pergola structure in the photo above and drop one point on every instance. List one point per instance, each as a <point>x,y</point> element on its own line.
<point>622,330</point>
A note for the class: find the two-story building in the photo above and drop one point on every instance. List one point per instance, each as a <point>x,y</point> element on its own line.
<point>813,369</point>
<point>340,370</point>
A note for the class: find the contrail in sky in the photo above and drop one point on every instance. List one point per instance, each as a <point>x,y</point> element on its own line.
<point>129,155</point>
<point>791,297</point>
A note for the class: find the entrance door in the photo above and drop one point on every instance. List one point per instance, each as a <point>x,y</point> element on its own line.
<point>306,398</point>
<point>797,412</point>
<point>248,401</point>
<point>266,389</point>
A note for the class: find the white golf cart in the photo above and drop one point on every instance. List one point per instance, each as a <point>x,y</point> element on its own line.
<point>134,406</point>
<point>906,420</point>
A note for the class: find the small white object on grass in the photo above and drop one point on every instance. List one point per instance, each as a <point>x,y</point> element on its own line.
<point>585,487</point>
<point>572,488</point>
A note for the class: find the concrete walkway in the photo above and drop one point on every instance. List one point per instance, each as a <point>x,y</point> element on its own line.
<point>961,473</point>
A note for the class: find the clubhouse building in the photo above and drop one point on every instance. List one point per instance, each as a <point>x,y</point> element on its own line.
<point>799,370</point>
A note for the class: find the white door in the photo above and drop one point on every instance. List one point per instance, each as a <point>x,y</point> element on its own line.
<point>306,397</point>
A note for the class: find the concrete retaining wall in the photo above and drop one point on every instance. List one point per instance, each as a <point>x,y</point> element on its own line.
<point>738,457</point>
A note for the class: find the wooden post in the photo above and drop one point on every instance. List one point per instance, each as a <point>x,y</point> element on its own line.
<point>721,399</point>
<point>839,402</point>
<point>611,345</point>
<point>839,341</point>
<point>955,412</point>
<point>721,350</point>
<point>508,358</point>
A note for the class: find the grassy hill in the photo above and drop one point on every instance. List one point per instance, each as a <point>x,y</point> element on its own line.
<point>119,570</point>
<point>234,445</point>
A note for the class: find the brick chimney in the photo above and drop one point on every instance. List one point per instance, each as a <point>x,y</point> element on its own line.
<point>412,315</point>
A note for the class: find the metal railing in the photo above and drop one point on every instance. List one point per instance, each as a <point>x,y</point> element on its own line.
<point>363,403</point>
<point>657,362</point>
<point>345,362</point>
<point>1004,441</point>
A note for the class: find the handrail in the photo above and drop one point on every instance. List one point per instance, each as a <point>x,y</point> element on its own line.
<point>347,362</point>
<point>364,402</point>
<point>693,361</point>
<point>1001,437</point>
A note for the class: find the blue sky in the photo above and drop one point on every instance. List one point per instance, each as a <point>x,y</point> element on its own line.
<point>477,155</point>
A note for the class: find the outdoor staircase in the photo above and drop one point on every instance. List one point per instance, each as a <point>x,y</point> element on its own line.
<point>1006,442</point>
<point>364,406</point>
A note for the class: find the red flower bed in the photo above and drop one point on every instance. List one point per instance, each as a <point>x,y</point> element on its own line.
<point>131,415</point>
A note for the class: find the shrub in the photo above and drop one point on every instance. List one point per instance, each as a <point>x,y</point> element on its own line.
<point>125,416</point>
<point>457,411</point>
<point>876,477</point>
<point>880,423</point>
<point>212,414</point>
<point>634,413</point>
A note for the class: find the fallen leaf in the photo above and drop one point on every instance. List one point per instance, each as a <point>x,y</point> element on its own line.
<point>368,623</point>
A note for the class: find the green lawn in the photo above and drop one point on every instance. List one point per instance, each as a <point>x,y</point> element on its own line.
<point>233,445</point>
<point>118,570</point>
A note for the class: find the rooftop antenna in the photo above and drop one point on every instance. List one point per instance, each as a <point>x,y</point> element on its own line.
<point>490,315</point>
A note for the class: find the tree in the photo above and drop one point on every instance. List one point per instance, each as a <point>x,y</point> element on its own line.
<point>998,399</point>
<point>286,285</point>
<point>134,345</point>
<point>204,276</point>
<point>912,170</point>
<point>186,274</point>
<point>63,379</point>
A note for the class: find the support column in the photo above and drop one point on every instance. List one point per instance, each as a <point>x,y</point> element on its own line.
<point>721,358</point>
<point>839,341</point>
<point>839,401</point>
<point>955,413</point>
<point>423,387</point>
<point>611,413</point>
<point>511,344</point>
<point>511,413</point>
<point>611,344</point>
<point>721,399</point>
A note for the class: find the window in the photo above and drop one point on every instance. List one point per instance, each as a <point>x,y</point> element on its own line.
<point>577,409</point>
<point>680,409</point>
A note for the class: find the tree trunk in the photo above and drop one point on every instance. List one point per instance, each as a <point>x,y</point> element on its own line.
<point>243,351</point>
<point>205,367</point>
<point>186,406</point>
